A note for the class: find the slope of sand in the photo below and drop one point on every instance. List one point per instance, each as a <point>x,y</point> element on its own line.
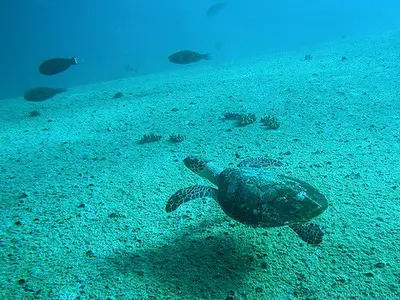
<point>82,202</point>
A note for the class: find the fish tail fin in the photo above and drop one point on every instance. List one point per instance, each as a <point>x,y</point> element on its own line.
<point>74,61</point>
<point>206,56</point>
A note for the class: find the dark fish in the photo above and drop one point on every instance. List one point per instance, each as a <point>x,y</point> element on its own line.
<point>129,68</point>
<point>42,93</point>
<point>215,9</point>
<point>54,66</point>
<point>186,57</point>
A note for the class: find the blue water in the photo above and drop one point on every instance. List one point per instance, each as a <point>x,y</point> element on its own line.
<point>107,36</point>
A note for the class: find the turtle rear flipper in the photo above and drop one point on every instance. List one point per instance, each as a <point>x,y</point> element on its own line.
<point>190,193</point>
<point>311,233</point>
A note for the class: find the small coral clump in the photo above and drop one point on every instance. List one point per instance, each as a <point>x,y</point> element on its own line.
<point>271,122</point>
<point>231,116</point>
<point>149,138</point>
<point>176,138</point>
<point>246,119</point>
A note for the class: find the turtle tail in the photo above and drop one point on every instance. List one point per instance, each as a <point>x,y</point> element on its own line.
<point>311,233</point>
<point>189,193</point>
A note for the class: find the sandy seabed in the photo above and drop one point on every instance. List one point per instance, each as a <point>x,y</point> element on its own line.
<point>83,203</point>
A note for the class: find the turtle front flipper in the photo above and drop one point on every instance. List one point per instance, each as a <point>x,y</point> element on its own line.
<point>311,233</point>
<point>190,193</point>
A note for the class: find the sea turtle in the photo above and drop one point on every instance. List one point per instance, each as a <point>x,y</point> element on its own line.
<point>256,196</point>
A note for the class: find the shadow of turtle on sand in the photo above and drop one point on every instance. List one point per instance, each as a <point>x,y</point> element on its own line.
<point>189,266</point>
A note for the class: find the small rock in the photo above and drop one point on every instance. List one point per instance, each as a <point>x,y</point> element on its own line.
<point>115,215</point>
<point>118,95</point>
<point>380,265</point>
<point>317,165</point>
<point>90,253</point>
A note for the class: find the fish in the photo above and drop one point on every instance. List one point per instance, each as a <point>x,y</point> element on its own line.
<point>215,9</point>
<point>42,93</point>
<point>186,57</point>
<point>129,68</point>
<point>55,66</point>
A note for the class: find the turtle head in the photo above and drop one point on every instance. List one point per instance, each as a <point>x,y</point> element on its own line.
<point>195,164</point>
<point>203,168</point>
